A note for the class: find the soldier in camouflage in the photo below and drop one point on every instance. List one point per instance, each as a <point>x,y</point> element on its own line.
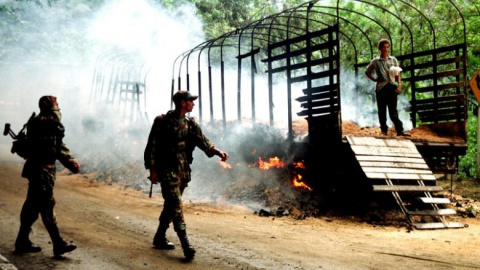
<point>45,134</point>
<point>168,156</point>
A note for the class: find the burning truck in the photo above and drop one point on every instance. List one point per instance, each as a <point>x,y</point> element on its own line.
<point>287,93</point>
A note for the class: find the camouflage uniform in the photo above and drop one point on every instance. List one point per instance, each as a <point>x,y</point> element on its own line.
<point>44,134</point>
<point>169,151</point>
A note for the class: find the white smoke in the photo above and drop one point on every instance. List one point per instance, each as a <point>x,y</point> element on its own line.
<point>359,102</point>
<point>32,66</point>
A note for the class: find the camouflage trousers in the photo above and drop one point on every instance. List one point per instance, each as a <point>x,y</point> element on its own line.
<point>172,207</point>
<point>40,201</point>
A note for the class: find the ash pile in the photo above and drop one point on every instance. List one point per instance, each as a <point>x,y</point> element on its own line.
<point>262,173</point>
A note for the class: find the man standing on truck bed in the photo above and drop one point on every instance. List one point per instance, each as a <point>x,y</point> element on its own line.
<point>388,86</point>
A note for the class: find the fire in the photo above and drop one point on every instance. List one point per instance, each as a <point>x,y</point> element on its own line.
<point>297,178</point>
<point>225,165</point>
<point>297,182</point>
<point>274,162</point>
<point>299,165</point>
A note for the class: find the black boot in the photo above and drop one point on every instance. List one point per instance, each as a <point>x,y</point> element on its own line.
<point>160,241</point>
<point>26,247</point>
<point>62,247</point>
<point>23,243</point>
<point>188,249</point>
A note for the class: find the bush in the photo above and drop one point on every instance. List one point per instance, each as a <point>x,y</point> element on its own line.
<point>468,162</point>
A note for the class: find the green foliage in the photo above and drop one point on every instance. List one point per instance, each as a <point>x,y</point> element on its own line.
<point>222,16</point>
<point>44,28</point>
<point>468,162</point>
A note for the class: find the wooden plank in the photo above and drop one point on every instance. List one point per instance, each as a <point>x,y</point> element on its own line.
<point>393,154</point>
<point>435,200</point>
<point>378,175</point>
<point>439,99</point>
<point>391,159</point>
<point>321,89</point>
<point>459,116</point>
<point>385,151</point>
<point>319,103</point>
<point>365,141</point>
<point>372,141</point>
<point>458,103</point>
<point>442,110</point>
<point>451,48</point>
<point>315,75</point>
<point>439,87</point>
<point>396,170</point>
<point>394,165</point>
<point>439,212</point>
<point>439,75</point>
<point>438,225</point>
<point>455,109</point>
<point>317,96</point>
<point>386,148</point>
<point>324,31</point>
<point>299,65</point>
<point>400,143</point>
<point>406,188</point>
<point>299,52</point>
<point>437,63</point>
<point>326,110</point>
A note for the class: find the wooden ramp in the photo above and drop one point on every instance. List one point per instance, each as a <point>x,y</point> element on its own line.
<point>396,166</point>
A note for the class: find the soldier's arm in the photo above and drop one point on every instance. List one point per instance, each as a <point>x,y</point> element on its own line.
<point>67,159</point>
<point>63,154</point>
<point>206,145</point>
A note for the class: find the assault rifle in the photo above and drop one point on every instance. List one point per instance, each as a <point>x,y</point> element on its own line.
<point>20,145</point>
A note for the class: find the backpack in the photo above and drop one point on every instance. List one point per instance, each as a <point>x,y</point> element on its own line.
<point>20,143</point>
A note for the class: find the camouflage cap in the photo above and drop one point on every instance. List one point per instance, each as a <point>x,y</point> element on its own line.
<point>183,95</point>
<point>48,103</point>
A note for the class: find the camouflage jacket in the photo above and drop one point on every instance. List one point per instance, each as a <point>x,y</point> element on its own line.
<point>45,145</point>
<point>170,146</point>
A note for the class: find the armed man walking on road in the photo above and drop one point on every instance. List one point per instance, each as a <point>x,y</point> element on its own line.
<point>168,156</point>
<point>45,145</point>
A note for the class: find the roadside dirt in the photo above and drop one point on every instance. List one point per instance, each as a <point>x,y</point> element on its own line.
<point>113,227</point>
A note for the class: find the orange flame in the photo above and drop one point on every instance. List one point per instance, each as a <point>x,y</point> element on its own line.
<point>297,178</point>
<point>274,162</point>
<point>225,165</point>
<point>299,165</point>
<point>297,182</point>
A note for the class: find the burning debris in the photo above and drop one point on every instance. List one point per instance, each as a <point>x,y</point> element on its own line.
<point>297,177</point>
<point>273,162</point>
<point>259,174</point>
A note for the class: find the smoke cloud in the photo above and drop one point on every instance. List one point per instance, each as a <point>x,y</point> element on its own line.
<point>60,57</point>
<point>55,50</point>
<point>52,49</point>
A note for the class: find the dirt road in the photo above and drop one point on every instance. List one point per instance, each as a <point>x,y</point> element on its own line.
<point>113,228</point>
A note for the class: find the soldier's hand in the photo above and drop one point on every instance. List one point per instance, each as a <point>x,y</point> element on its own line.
<point>153,176</point>
<point>75,167</point>
<point>223,155</point>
